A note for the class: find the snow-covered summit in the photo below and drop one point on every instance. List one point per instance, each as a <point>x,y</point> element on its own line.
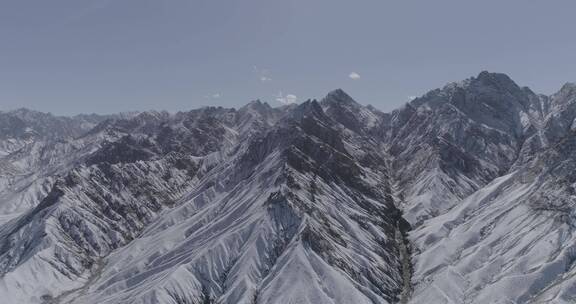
<point>463,195</point>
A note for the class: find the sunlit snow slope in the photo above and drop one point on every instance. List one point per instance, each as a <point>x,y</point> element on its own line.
<point>463,195</point>
<point>257,205</point>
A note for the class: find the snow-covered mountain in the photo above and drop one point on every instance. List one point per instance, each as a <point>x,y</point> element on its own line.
<point>508,239</point>
<point>464,195</point>
<point>34,148</point>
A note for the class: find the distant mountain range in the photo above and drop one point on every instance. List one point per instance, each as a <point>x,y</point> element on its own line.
<point>464,195</point>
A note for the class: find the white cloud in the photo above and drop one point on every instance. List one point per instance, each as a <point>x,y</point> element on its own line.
<point>213,96</point>
<point>354,76</point>
<point>410,98</point>
<point>286,99</point>
<point>263,74</point>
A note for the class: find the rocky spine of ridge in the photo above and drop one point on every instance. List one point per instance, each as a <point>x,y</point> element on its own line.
<point>321,199</point>
<point>310,203</point>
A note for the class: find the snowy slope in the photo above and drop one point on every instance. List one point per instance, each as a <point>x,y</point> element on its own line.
<point>282,229</point>
<point>464,195</point>
<point>34,148</point>
<point>231,205</point>
<point>457,139</point>
<point>510,240</point>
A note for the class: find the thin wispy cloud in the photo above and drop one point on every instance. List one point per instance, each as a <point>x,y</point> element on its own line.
<point>263,74</point>
<point>286,99</point>
<point>354,76</point>
<point>214,96</point>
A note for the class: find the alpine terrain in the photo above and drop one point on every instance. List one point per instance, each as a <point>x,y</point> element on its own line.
<point>464,195</point>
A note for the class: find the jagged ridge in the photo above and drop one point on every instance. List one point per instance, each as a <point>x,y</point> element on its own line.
<point>295,204</point>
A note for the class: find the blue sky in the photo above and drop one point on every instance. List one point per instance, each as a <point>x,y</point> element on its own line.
<point>104,56</point>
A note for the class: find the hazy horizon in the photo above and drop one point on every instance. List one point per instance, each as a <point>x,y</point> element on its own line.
<point>271,103</point>
<point>69,57</point>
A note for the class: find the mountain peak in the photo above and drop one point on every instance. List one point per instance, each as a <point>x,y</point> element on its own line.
<point>233,206</point>
<point>568,88</point>
<point>257,105</point>
<point>565,96</point>
<point>338,96</point>
<point>310,107</point>
<point>26,113</point>
<point>500,80</point>
<point>338,91</point>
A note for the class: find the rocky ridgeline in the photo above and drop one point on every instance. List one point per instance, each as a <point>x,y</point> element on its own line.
<point>463,195</point>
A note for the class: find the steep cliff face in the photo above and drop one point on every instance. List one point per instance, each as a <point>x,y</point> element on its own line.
<point>452,141</point>
<point>464,195</point>
<point>34,148</point>
<point>258,204</point>
<point>511,241</point>
<point>489,189</point>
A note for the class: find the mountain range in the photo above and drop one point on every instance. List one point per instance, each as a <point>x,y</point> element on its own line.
<point>463,195</point>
